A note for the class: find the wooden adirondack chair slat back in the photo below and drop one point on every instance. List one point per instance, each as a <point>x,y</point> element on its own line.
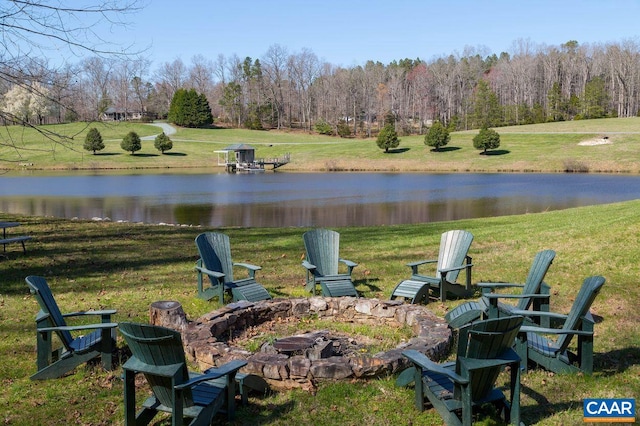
<point>323,250</point>
<point>158,346</point>
<point>590,288</point>
<point>215,251</point>
<point>454,246</point>
<point>541,263</point>
<point>48,305</point>
<point>486,340</point>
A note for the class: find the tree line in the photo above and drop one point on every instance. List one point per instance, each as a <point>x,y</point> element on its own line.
<point>475,89</point>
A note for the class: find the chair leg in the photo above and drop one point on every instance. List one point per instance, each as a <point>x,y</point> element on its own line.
<point>106,348</point>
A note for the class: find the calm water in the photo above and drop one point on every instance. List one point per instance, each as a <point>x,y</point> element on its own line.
<point>306,199</point>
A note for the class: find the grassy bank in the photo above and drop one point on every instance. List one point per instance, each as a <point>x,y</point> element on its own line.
<point>127,267</point>
<point>551,147</point>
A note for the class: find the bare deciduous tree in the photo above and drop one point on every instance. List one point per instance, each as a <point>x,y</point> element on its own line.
<point>33,29</point>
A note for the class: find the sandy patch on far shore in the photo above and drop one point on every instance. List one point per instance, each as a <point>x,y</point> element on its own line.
<point>591,142</point>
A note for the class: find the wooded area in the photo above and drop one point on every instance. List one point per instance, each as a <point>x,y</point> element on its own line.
<point>532,84</point>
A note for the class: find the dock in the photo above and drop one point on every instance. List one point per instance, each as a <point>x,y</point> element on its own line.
<point>240,158</point>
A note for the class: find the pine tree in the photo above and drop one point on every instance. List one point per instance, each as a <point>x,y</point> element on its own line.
<point>437,136</point>
<point>93,141</point>
<point>190,109</point>
<point>486,139</point>
<point>388,138</point>
<point>131,142</point>
<point>163,143</point>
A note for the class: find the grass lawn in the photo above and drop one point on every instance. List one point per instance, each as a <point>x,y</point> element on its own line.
<point>536,148</point>
<point>129,266</point>
<point>93,265</point>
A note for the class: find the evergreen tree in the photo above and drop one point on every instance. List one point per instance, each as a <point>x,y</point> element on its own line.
<point>344,131</point>
<point>190,109</point>
<point>486,139</point>
<point>486,108</point>
<point>388,138</point>
<point>437,136</point>
<point>595,99</point>
<point>93,141</point>
<point>163,143</point>
<point>131,142</point>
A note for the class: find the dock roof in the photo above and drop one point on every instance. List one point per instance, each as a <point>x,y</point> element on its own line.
<point>239,147</point>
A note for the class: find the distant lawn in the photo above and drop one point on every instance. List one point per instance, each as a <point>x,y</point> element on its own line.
<point>548,147</point>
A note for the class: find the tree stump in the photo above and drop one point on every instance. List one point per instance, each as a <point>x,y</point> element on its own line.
<point>168,313</point>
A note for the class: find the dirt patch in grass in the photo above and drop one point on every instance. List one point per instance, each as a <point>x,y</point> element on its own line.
<point>597,141</point>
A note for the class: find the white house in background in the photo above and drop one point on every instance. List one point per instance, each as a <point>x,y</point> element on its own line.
<point>114,114</point>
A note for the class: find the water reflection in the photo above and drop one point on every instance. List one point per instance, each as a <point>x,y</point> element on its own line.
<point>314,199</point>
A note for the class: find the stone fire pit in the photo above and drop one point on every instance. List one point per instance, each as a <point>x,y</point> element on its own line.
<point>301,360</point>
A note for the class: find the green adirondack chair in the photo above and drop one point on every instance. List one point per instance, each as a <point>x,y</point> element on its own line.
<point>535,294</point>
<point>457,389</point>
<point>157,353</point>
<point>554,355</point>
<point>216,263</point>
<point>322,264</point>
<point>54,363</point>
<point>452,258</point>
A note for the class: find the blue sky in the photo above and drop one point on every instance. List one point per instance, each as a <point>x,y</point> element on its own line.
<point>350,32</point>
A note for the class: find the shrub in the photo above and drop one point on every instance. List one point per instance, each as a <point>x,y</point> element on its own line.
<point>131,142</point>
<point>93,141</point>
<point>486,139</point>
<point>437,136</point>
<point>572,165</point>
<point>323,128</point>
<point>344,131</point>
<point>163,143</point>
<point>387,138</point>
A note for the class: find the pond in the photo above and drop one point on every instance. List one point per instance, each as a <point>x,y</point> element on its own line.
<point>306,199</point>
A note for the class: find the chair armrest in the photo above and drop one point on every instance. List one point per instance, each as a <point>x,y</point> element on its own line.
<point>414,265</point>
<point>498,285</point>
<point>421,262</point>
<point>543,330</point>
<point>92,312</point>
<point>308,265</point>
<point>527,313</point>
<point>214,373</point>
<point>419,359</point>
<point>99,326</point>
<point>456,268</point>
<point>248,266</point>
<point>512,296</point>
<point>214,274</point>
<point>349,263</point>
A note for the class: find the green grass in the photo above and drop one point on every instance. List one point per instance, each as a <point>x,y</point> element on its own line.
<point>129,266</point>
<point>535,148</point>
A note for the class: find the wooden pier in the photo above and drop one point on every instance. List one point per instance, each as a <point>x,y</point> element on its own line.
<point>240,158</point>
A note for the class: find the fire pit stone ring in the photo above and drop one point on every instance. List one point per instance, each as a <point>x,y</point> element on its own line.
<point>301,361</point>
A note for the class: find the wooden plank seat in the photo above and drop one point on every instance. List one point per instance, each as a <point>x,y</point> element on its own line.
<point>412,290</point>
<point>535,294</point>
<point>337,286</point>
<point>250,290</point>
<point>452,258</point>
<point>215,262</point>
<point>322,263</point>
<point>20,239</point>
<point>54,363</point>
<point>458,389</point>
<point>536,345</point>
<point>158,354</point>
